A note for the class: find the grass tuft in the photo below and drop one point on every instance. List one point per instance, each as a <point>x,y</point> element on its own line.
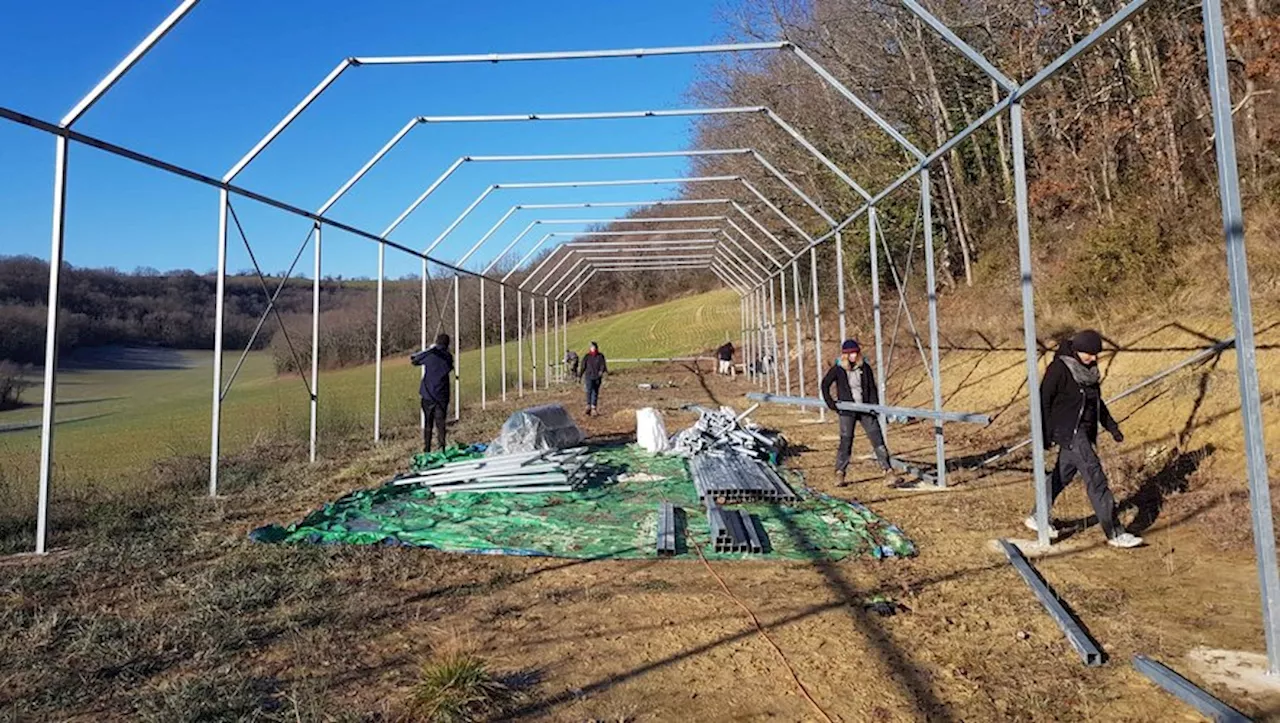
<point>457,687</point>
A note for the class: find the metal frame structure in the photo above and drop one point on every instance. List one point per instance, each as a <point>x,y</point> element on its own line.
<point>755,283</point>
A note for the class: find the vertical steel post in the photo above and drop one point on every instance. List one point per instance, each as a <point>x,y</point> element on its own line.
<point>220,297</point>
<point>547,348</point>
<point>1029,321</point>
<point>533,341</point>
<point>786,335</point>
<point>926,203</point>
<point>377,347</point>
<point>422,337</point>
<point>773,338</point>
<point>502,345</point>
<point>315,343</point>
<point>457,347</point>
<point>1264,541</point>
<point>742,327</point>
<point>795,294</point>
<point>840,307</point>
<point>484,395</point>
<point>56,246</point>
<point>817,329</point>
<point>872,219</point>
<point>520,341</point>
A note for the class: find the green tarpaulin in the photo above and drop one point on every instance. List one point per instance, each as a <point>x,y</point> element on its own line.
<point>616,519</point>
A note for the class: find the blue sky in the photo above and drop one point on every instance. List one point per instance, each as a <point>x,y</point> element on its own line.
<point>232,68</point>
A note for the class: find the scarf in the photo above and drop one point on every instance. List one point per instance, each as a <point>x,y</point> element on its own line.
<point>1085,376</point>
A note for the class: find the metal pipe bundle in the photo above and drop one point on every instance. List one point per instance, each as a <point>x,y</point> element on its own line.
<point>733,477</point>
<point>722,429</point>
<point>544,471</point>
<point>733,530</point>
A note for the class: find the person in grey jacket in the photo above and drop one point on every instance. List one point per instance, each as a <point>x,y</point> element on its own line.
<point>1073,409</point>
<point>854,382</point>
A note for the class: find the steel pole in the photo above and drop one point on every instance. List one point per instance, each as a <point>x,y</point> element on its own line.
<point>1264,540</point>
<point>377,347</point>
<point>315,344</point>
<point>840,304</point>
<point>422,338</point>
<point>1029,322</point>
<point>935,373</point>
<point>457,346</point>
<point>51,342</point>
<point>502,323</point>
<point>220,296</point>
<point>795,293</point>
<point>786,335</point>
<point>484,396</point>
<point>818,361</point>
<point>546,346</point>
<point>872,220</point>
<point>533,341</point>
<point>773,336</point>
<point>520,341</point>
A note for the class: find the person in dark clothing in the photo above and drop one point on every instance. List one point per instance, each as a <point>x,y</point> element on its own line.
<point>854,382</point>
<point>1072,407</point>
<point>594,367</point>
<point>571,362</point>
<point>725,355</point>
<point>437,365</point>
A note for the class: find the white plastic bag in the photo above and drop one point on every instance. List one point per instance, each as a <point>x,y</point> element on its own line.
<point>651,433</point>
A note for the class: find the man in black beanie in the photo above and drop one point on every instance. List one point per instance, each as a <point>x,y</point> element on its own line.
<point>437,364</point>
<point>1072,405</point>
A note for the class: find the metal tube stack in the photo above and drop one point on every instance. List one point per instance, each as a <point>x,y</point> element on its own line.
<point>530,472</point>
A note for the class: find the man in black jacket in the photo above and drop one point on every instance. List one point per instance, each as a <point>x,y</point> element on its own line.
<point>437,365</point>
<point>725,356</point>
<point>854,382</point>
<point>594,367</point>
<point>1072,405</point>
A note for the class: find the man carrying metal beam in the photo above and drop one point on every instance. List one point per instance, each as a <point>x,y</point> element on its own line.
<point>854,382</point>
<point>437,365</point>
<point>1071,400</point>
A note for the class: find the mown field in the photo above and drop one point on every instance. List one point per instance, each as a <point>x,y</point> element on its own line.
<point>122,412</point>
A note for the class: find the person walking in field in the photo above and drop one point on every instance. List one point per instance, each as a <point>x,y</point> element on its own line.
<point>594,367</point>
<point>854,382</point>
<point>437,365</point>
<point>725,355</point>
<point>571,362</point>
<point>1073,408</point>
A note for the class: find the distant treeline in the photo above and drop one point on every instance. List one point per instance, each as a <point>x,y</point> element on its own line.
<point>105,306</point>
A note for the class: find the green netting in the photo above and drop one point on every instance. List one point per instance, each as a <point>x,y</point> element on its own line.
<point>424,461</point>
<point>614,520</point>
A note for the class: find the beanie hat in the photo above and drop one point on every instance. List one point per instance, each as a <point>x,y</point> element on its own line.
<point>849,346</point>
<point>442,340</point>
<point>1087,341</point>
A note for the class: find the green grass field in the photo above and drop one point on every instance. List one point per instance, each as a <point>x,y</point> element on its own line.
<point>116,423</point>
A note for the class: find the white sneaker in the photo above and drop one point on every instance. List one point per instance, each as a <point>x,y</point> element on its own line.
<point>1030,524</point>
<point>1125,540</point>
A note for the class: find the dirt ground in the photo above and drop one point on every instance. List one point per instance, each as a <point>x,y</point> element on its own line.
<point>660,640</point>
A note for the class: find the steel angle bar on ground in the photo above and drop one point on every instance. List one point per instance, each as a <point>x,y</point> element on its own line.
<point>1079,639</point>
<point>1188,692</point>
<point>886,410</point>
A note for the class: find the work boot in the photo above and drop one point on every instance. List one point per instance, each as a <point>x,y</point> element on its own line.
<point>1031,524</point>
<point>1125,540</point>
<point>891,477</point>
<point>840,480</point>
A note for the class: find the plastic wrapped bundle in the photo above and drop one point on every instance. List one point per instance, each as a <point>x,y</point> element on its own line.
<point>651,433</point>
<point>536,429</point>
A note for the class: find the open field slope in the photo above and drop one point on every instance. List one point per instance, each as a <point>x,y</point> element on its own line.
<point>158,606</point>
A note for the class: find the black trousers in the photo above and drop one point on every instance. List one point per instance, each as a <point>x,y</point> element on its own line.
<point>1082,459</point>
<point>870,425</point>
<point>435,415</point>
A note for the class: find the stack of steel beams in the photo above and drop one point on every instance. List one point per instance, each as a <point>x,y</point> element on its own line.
<point>733,530</point>
<point>733,477</point>
<point>666,529</point>
<point>530,472</point>
<point>722,429</point>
